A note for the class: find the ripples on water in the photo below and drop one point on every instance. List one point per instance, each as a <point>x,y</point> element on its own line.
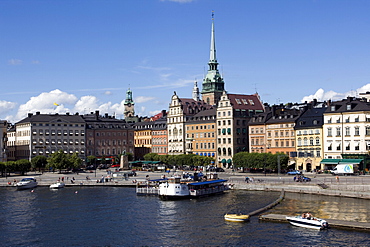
<point>112,216</point>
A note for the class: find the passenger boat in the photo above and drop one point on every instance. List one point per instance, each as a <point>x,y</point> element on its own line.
<point>176,188</point>
<point>308,222</point>
<point>57,185</point>
<point>26,183</point>
<point>236,217</point>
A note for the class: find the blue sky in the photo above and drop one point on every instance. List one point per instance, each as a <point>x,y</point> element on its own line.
<point>85,54</point>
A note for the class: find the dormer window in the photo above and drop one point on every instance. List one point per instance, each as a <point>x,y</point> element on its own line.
<point>349,107</point>
<point>332,108</point>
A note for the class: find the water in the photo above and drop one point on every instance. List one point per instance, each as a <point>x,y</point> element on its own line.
<point>113,216</point>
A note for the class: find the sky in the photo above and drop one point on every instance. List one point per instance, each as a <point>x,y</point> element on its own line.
<point>84,55</point>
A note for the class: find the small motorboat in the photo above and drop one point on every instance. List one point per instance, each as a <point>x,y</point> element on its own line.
<point>57,185</point>
<point>237,217</point>
<point>26,183</point>
<point>308,222</point>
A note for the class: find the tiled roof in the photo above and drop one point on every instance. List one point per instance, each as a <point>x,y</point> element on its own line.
<point>246,102</point>
<point>192,107</point>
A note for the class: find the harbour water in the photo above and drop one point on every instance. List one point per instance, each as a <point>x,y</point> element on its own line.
<point>115,216</point>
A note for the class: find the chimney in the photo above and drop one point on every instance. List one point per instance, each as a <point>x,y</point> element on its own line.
<point>37,113</point>
<point>30,114</point>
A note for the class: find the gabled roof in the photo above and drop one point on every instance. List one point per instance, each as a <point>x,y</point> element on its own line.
<point>246,102</point>
<point>192,107</point>
<point>312,118</point>
<point>350,104</point>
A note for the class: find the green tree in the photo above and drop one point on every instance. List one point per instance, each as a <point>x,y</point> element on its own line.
<point>23,166</point>
<point>39,162</point>
<point>58,161</point>
<point>91,160</point>
<point>151,157</point>
<point>74,161</point>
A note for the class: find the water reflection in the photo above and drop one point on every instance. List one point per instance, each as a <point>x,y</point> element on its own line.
<point>326,207</point>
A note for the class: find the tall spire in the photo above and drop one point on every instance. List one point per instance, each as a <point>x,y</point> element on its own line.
<point>213,83</point>
<point>212,55</point>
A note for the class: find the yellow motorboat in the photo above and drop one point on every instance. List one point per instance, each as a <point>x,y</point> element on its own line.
<point>237,217</point>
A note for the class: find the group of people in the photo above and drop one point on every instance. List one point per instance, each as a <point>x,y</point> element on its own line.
<point>307,215</point>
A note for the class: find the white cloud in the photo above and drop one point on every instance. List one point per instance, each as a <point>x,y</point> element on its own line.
<point>108,93</point>
<point>35,62</point>
<point>14,61</point>
<point>6,106</point>
<point>321,95</point>
<point>143,99</point>
<point>44,103</point>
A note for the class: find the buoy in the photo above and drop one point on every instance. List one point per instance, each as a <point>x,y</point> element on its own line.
<point>76,192</point>
<point>32,190</point>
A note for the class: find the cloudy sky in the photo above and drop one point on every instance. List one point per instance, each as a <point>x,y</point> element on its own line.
<point>84,55</point>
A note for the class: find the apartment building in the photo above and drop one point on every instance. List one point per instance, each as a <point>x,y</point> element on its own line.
<point>201,134</point>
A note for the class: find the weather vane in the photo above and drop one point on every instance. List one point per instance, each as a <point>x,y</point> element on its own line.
<point>213,14</point>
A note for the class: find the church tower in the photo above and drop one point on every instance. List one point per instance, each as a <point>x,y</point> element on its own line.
<point>129,112</point>
<point>213,84</point>
<point>196,95</point>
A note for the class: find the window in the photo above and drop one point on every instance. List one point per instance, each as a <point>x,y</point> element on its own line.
<point>338,147</point>
<point>347,131</point>
<point>330,147</point>
<point>338,131</point>
<point>317,141</point>
<point>357,131</point>
<point>348,147</point>
<point>311,141</point>
<point>299,142</point>
<point>367,130</point>
<point>305,141</point>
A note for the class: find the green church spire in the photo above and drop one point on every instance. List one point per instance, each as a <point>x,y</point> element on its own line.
<point>213,83</point>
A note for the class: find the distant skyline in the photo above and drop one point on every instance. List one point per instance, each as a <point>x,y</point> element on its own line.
<point>84,55</point>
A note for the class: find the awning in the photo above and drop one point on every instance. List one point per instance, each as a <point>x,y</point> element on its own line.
<point>340,161</point>
<point>223,161</point>
<point>208,182</point>
<point>330,161</point>
<point>228,161</point>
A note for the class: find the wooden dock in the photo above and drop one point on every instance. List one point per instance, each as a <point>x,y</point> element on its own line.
<point>365,226</point>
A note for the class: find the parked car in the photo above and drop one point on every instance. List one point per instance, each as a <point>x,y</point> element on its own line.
<point>130,173</point>
<point>296,172</point>
<point>219,169</point>
<point>303,179</point>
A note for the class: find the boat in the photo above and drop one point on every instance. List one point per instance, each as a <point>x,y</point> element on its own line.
<point>175,188</point>
<point>57,185</point>
<point>308,222</point>
<point>26,183</point>
<point>237,217</point>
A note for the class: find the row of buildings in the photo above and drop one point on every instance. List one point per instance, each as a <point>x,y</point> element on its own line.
<point>212,123</point>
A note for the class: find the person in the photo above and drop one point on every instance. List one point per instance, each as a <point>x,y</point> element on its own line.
<point>337,178</point>
<point>308,215</point>
<point>247,179</point>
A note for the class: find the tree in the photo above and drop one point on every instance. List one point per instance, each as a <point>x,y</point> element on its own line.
<point>74,161</point>
<point>39,162</point>
<point>91,160</point>
<point>23,166</point>
<point>58,160</point>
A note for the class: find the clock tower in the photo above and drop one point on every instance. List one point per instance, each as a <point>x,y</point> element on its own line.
<point>129,112</point>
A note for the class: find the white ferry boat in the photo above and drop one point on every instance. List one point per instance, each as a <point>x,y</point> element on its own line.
<point>175,188</point>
